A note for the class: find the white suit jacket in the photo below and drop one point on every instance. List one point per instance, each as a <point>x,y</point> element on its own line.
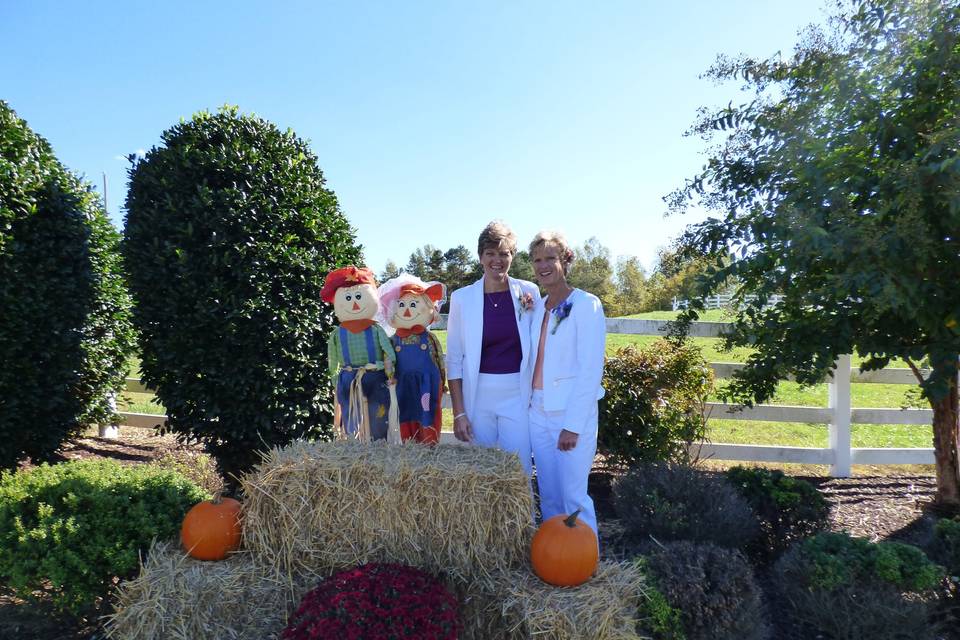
<point>573,360</point>
<point>465,337</point>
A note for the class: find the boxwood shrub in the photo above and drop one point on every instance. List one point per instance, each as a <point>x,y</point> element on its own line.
<point>946,544</point>
<point>68,530</point>
<point>710,591</point>
<point>65,328</point>
<point>654,402</point>
<point>664,501</point>
<point>230,231</point>
<point>789,509</point>
<point>846,588</point>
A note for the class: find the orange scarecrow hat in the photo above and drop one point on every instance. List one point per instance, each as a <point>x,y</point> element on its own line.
<point>345,277</point>
<point>434,291</point>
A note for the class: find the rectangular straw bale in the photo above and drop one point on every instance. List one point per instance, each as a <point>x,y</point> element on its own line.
<point>516,605</point>
<point>314,508</point>
<point>178,598</point>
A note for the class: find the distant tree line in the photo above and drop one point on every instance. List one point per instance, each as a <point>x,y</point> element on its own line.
<point>623,285</point>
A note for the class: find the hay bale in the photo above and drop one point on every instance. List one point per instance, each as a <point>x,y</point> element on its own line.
<point>515,605</point>
<point>314,508</point>
<point>178,598</point>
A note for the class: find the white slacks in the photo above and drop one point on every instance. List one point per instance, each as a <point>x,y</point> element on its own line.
<point>499,418</point>
<point>561,475</point>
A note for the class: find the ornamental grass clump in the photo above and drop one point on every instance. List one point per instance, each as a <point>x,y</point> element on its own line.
<point>68,530</point>
<point>710,591</point>
<point>848,588</point>
<point>666,501</point>
<point>377,602</point>
<point>788,509</point>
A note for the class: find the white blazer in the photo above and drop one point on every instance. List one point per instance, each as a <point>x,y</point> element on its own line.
<point>573,360</point>
<point>465,337</point>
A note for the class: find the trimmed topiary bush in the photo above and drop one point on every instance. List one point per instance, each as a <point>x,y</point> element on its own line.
<point>788,509</point>
<point>68,530</point>
<point>712,590</point>
<point>230,231</point>
<point>654,402</point>
<point>850,588</point>
<point>676,502</point>
<point>65,328</point>
<point>377,602</point>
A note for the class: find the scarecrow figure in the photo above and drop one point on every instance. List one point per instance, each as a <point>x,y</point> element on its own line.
<point>361,358</point>
<point>410,305</point>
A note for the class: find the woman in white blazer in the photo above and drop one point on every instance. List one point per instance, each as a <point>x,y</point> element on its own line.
<point>488,350</point>
<point>568,338</point>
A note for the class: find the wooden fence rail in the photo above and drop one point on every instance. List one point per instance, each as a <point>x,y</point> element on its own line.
<point>838,414</point>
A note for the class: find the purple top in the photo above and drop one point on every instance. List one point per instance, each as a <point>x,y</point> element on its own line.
<point>500,350</point>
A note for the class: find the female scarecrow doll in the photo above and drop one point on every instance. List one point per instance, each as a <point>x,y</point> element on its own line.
<point>361,357</point>
<point>410,305</point>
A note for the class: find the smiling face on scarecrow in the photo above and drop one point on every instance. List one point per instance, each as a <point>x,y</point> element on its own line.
<point>357,302</point>
<point>413,309</point>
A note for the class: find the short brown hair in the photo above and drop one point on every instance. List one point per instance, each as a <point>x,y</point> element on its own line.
<point>495,235</point>
<point>558,240</point>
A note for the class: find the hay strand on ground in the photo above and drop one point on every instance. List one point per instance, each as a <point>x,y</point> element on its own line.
<point>315,508</point>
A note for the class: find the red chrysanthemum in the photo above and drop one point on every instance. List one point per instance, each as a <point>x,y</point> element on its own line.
<point>376,602</point>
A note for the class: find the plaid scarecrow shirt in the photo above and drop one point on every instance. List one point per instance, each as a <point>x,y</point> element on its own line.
<point>357,348</point>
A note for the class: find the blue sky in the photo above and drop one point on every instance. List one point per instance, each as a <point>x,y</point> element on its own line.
<point>429,118</point>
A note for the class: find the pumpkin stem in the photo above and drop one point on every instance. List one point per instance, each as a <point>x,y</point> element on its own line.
<point>217,497</point>
<point>571,520</point>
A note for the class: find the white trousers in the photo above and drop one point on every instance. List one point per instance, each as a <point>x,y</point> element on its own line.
<point>561,475</point>
<point>499,418</point>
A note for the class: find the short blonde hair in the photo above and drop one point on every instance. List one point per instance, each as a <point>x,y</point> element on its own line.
<point>495,235</point>
<point>558,240</point>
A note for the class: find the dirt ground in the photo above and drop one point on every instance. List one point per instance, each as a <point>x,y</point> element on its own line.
<point>877,507</point>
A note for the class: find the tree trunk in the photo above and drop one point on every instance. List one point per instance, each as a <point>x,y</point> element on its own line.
<point>945,433</point>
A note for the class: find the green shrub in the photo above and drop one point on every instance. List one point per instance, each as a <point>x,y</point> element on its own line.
<point>229,234</point>
<point>789,509</point>
<point>850,588</point>
<point>676,502</point>
<point>69,529</point>
<point>653,406</point>
<point>712,589</point>
<point>65,328</point>
<point>946,544</point>
<point>655,615</point>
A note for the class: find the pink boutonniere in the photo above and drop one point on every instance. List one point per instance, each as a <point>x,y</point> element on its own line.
<point>524,303</point>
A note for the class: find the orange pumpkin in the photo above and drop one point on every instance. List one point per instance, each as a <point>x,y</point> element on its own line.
<point>211,529</point>
<point>564,551</point>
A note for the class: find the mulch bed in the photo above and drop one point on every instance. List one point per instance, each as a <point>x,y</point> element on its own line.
<point>889,507</point>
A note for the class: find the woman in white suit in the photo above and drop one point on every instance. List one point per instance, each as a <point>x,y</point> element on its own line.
<point>488,350</point>
<point>568,338</point>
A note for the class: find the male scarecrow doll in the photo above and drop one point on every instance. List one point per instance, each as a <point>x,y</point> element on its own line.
<point>361,358</point>
<point>410,305</point>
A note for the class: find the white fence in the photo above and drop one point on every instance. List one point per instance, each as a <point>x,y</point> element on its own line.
<point>720,301</point>
<point>839,414</point>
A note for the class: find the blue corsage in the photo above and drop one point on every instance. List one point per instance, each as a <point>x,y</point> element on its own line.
<point>560,313</point>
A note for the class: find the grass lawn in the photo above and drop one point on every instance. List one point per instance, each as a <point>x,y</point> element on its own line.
<point>722,430</point>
